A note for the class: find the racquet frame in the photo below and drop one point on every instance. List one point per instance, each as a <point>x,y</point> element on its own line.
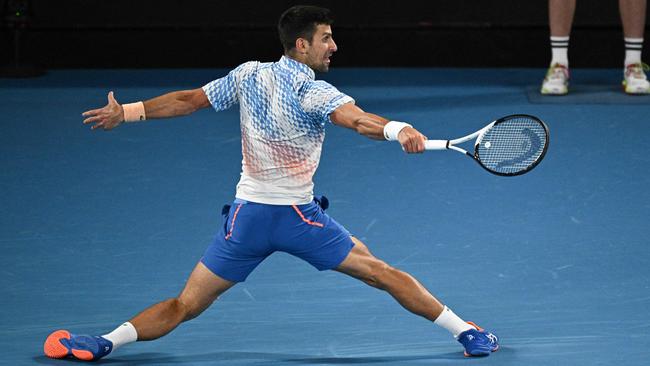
<point>450,144</point>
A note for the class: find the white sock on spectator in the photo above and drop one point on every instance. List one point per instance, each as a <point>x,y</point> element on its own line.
<point>633,47</point>
<point>560,50</point>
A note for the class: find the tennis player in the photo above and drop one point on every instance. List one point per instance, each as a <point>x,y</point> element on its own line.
<point>284,111</point>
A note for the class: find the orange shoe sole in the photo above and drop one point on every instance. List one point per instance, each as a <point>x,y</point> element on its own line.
<point>53,347</point>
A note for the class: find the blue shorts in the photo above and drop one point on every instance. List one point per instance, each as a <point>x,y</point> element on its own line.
<point>253,231</point>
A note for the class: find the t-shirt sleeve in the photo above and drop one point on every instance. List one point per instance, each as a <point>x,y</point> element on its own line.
<point>223,93</point>
<point>321,99</point>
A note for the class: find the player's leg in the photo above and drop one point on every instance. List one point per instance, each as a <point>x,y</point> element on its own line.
<point>236,251</point>
<point>414,297</point>
<point>361,264</point>
<point>633,13</point>
<point>202,289</point>
<point>307,232</point>
<point>560,14</point>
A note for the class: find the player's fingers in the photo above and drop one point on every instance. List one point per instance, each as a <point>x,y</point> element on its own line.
<point>421,141</point>
<point>90,112</point>
<point>416,147</point>
<point>97,125</point>
<point>92,119</point>
<point>111,98</point>
<point>415,144</point>
<point>409,146</point>
<point>405,146</point>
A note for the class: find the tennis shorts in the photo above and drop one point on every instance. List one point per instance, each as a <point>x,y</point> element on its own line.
<point>253,231</point>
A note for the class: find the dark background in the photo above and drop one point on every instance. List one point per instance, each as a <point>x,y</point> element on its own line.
<point>212,33</point>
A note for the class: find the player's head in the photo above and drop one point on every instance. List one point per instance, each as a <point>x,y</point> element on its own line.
<point>306,35</point>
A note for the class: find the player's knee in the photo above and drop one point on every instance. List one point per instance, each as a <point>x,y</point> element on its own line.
<point>192,309</point>
<point>176,308</point>
<point>182,309</point>
<point>379,275</point>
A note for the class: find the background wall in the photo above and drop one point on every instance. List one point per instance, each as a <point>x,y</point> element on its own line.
<point>209,33</point>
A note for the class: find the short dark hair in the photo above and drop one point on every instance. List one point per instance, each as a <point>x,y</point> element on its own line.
<point>300,21</point>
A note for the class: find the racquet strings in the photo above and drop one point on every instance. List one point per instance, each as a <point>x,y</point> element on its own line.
<point>512,146</point>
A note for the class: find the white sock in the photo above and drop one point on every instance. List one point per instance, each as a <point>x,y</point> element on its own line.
<point>122,335</point>
<point>560,50</point>
<point>633,47</point>
<point>452,322</point>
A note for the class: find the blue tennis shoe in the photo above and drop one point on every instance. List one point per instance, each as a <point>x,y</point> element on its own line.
<point>62,344</point>
<point>478,342</point>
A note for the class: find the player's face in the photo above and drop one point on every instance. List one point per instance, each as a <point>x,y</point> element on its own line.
<point>321,48</point>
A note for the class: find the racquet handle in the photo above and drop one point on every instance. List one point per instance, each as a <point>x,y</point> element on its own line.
<point>436,144</point>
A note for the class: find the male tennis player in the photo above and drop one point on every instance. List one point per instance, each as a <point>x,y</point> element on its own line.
<point>284,111</point>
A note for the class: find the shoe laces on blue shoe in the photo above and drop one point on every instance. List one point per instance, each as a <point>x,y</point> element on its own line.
<point>478,342</point>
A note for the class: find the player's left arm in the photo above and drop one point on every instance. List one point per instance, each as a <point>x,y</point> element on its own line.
<point>371,125</point>
<point>178,103</point>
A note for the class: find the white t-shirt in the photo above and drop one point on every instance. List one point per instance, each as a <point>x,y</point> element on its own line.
<point>283,115</point>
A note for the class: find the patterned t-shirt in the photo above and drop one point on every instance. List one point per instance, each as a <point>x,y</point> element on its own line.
<point>283,111</point>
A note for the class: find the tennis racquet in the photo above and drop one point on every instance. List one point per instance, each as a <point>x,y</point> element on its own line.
<point>511,145</point>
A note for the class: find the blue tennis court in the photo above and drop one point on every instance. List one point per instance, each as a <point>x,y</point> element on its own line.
<point>98,225</point>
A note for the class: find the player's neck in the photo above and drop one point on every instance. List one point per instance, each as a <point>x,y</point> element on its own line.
<point>298,57</point>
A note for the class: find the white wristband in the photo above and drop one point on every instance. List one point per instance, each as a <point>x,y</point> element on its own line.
<point>134,112</point>
<point>393,128</point>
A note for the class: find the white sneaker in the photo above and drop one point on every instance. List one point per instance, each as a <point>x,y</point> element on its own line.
<point>635,81</point>
<point>556,81</point>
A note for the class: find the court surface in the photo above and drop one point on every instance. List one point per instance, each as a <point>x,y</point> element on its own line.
<point>95,226</point>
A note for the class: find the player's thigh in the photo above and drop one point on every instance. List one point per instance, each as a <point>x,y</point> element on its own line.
<point>202,289</point>
<point>362,264</point>
<point>310,234</point>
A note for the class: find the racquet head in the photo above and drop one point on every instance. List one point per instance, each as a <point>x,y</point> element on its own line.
<point>512,145</point>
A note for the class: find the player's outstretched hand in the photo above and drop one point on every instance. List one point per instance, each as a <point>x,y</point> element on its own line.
<point>412,140</point>
<point>107,117</point>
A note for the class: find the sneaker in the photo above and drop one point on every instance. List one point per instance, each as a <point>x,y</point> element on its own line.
<point>556,81</point>
<point>62,343</point>
<point>635,81</point>
<point>478,342</point>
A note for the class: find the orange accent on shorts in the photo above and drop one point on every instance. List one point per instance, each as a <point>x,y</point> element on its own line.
<point>304,219</point>
<point>53,347</point>
<point>232,224</point>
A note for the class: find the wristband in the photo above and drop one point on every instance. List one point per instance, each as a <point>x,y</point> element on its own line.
<point>134,112</point>
<point>393,128</point>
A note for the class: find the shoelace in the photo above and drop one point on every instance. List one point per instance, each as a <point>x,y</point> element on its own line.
<point>558,72</point>
<point>637,70</point>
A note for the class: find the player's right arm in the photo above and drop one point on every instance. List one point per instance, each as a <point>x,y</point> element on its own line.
<point>178,103</point>
<point>372,126</point>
